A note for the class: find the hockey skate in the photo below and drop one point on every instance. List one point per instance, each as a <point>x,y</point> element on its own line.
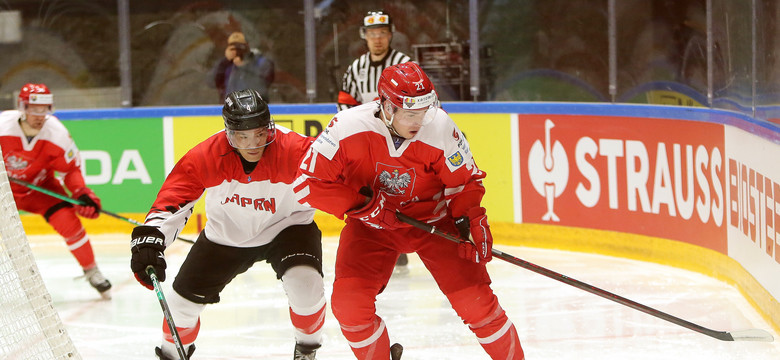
<point>401,265</point>
<point>395,351</point>
<point>305,352</point>
<point>99,282</point>
<point>161,356</point>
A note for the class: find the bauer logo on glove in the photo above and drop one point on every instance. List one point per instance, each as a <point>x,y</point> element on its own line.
<point>147,240</point>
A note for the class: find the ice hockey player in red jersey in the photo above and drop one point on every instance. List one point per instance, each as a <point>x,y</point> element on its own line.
<point>247,171</point>
<point>404,153</point>
<point>36,145</point>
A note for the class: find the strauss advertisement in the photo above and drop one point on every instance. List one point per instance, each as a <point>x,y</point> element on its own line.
<point>655,177</point>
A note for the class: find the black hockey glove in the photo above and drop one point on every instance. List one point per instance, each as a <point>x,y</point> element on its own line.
<point>147,249</point>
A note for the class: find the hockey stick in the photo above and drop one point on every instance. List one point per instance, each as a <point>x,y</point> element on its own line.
<point>76,202</point>
<point>166,312</point>
<point>739,335</point>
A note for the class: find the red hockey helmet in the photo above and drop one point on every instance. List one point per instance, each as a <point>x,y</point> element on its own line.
<point>407,95</point>
<point>35,94</point>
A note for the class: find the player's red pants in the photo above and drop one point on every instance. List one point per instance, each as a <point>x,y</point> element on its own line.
<point>364,264</point>
<point>62,217</point>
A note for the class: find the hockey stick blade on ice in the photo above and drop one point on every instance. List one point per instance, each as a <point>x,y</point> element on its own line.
<point>166,312</point>
<point>76,202</point>
<point>739,335</point>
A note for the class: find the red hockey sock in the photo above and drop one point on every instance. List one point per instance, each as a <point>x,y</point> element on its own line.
<point>479,309</point>
<point>308,324</point>
<point>65,222</point>
<point>369,342</point>
<point>500,342</point>
<point>187,335</point>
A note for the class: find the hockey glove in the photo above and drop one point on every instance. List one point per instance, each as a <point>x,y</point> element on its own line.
<point>379,212</point>
<point>91,203</point>
<point>147,249</point>
<point>476,242</point>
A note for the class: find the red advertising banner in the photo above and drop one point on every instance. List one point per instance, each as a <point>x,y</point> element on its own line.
<point>656,177</point>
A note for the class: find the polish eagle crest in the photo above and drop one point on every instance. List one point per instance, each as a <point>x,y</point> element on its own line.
<point>395,182</point>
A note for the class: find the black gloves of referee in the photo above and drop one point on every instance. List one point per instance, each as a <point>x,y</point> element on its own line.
<point>147,249</point>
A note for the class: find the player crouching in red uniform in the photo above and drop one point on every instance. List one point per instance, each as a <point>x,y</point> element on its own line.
<point>404,153</point>
<point>36,145</point>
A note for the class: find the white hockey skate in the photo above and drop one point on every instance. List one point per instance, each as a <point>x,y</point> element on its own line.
<point>99,282</point>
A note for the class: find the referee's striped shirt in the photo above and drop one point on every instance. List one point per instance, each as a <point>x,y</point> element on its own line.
<point>359,83</point>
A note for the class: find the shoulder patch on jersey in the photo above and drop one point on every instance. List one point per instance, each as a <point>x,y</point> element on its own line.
<point>456,159</point>
<point>327,142</point>
<point>70,154</point>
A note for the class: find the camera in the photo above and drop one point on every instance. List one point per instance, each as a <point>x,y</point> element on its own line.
<point>241,49</point>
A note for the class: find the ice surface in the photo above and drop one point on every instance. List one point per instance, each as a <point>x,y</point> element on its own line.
<point>554,320</point>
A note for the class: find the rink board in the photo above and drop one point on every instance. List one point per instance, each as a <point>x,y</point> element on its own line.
<point>699,177</point>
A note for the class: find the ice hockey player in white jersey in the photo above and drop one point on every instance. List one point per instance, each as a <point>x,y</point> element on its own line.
<point>247,172</point>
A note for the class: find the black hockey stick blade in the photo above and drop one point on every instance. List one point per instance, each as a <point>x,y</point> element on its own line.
<point>739,335</point>
<point>166,312</point>
<point>76,202</point>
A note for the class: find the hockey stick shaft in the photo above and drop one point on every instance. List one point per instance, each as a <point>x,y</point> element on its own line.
<point>743,335</point>
<point>76,202</point>
<point>166,312</point>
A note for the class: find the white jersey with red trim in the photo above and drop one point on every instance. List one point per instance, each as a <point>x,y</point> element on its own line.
<point>426,175</point>
<point>36,159</point>
<point>242,210</point>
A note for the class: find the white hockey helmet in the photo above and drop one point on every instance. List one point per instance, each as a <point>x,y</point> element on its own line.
<point>375,19</point>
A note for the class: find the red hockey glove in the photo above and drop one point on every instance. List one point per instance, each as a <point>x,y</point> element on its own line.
<point>147,249</point>
<point>476,240</point>
<point>91,203</point>
<point>379,212</point>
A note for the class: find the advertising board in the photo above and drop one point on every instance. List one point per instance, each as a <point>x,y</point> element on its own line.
<point>657,177</point>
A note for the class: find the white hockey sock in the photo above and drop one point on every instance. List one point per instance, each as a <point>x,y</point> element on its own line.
<point>306,296</point>
<point>185,314</point>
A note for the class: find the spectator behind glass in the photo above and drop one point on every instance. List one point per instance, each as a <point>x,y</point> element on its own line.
<point>241,68</point>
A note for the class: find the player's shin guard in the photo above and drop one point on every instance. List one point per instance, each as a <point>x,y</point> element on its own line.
<point>67,224</point>
<point>186,334</point>
<point>353,306</point>
<point>502,343</point>
<point>368,342</point>
<point>306,296</point>
<point>479,309</point>
<point>186,315</point>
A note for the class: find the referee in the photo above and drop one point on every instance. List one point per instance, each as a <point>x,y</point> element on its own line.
<point>359,83</point>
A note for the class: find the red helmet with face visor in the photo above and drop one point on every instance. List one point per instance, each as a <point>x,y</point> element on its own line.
<point>35,94</point>
<point>407,96</point>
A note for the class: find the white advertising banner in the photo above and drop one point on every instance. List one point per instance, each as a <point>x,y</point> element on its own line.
<point>753,198</point>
